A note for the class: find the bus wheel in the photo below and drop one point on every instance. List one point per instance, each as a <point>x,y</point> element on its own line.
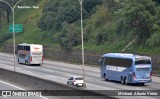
<point>126,81</point>
<point>26,62</point>
<point>105,77</point>
<point>18,61</point>
<point>122,81</point>
<point>141,84</point>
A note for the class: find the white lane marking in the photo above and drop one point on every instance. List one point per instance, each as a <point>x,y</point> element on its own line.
<point>55,77</point>
<point>51,76</point>
<point>11,85</point>
<point>18,88</point>
<point>47,70</point>
<point>139,89</point>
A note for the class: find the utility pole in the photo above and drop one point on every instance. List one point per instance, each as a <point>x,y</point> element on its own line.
<point>14,47</point>
<point>81,1</point>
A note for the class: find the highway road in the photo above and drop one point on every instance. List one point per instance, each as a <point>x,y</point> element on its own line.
<point>60,72</point>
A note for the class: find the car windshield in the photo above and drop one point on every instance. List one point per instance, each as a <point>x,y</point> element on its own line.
<point>71,78</point>
<point>78,78</point>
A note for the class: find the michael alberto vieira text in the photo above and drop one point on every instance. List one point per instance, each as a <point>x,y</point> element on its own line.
<point>138,93</point>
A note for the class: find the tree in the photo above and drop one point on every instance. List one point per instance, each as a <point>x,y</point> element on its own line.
<point>139,18</point>
<point>158,1</point>
<point>89,5</point>
<point>71,37</point>
<point>0,20</point>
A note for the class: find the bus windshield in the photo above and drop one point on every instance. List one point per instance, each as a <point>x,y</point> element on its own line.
<point>142,64</point>
<point>147,61</point>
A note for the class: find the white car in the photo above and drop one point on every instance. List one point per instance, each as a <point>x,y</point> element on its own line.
<point>75,80</point>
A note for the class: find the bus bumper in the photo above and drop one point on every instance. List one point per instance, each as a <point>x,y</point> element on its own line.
<point>142,80</point>
<point>38,62</point>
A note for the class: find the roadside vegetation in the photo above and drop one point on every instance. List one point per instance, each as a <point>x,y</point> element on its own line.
<point>109,25</point>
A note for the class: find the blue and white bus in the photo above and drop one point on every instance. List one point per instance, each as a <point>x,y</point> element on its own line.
<point>126,68</point>
<point>30,54</point>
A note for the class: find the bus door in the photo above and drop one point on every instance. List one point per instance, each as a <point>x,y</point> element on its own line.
<point>142,69</point>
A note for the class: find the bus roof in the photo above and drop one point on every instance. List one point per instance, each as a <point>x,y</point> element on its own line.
<point>125,55</point>
<point>26,44</point>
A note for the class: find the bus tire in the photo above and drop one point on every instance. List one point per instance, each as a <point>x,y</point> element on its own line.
<point>105,77</point>
<point>18,61</point>
<point>122,80</point>
<point>28,63</point>
<point>125,81</point>
<point>25,62</point>
<point>141,84</point>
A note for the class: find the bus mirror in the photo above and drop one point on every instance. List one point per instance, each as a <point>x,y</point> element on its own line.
<point>100,62</point>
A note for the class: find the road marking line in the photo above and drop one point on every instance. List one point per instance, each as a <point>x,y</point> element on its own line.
<point>51,76</point>
<point>47,70</point>
<point>11,85</point>
<point>18,87</point>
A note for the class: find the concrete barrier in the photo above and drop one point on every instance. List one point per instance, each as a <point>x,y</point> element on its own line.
<point>50,88</point>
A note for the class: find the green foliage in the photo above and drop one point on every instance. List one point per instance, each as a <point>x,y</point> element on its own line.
<point>4,37</point>
<point>138,19</point>
<point>47,21</point>
<point>109,25</point>
<point>158,15</point>
<point>57,13</point>
<point>70,37</point>
<point>98,27</point>
<point>154,40</point>
<point>89,5</point>
<point>53,17</point>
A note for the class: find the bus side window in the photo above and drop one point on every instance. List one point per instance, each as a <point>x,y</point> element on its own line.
<point>28,48</point>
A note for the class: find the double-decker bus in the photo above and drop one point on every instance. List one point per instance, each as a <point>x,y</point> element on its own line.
<point>30,54</point>
<point>126,68</point>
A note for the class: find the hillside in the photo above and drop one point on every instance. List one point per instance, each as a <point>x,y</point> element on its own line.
<point>28,17</point>
<point>109,25</point>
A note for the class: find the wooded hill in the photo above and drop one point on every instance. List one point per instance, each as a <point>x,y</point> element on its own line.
<point>109,25</point>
